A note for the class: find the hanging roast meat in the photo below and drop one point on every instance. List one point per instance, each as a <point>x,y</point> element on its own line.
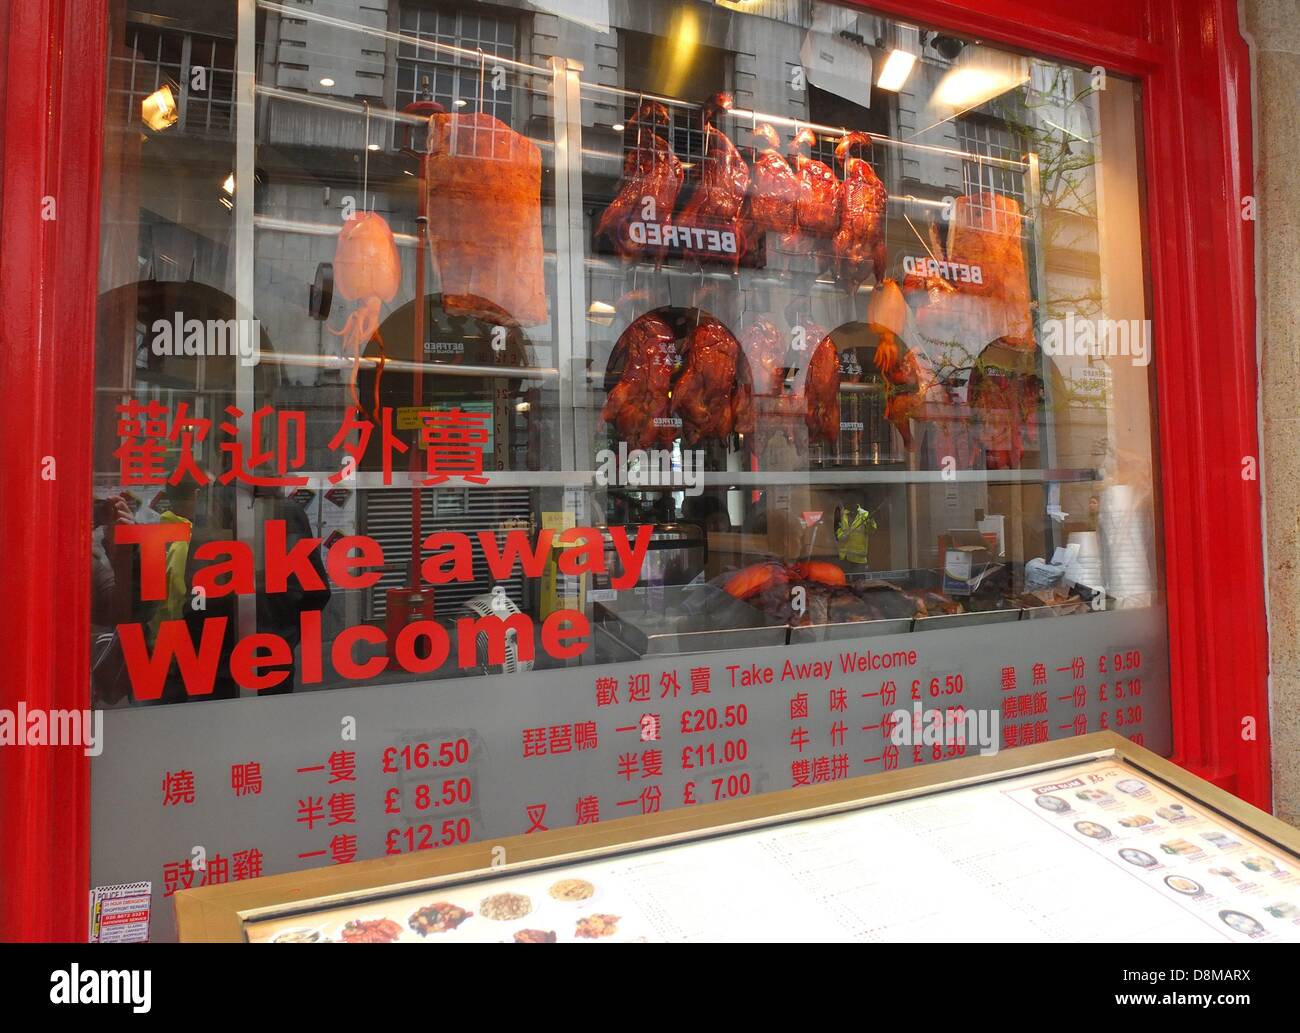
<point>986,233</point>
<point>638,405</point>
<point>817,212</point>
<point>1005,410</point>
<point>485,219</point>
<point>720,193</point>
<point>776,188</point>
<point>821,391</point>
<point>652,177</point>
<point>859,243</point>
<point>909,382</point>
<point>702,396</point>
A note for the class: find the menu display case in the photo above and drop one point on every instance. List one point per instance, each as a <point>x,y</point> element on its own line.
<point>1089,840</point>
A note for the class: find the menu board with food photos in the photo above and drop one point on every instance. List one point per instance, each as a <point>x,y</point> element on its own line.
<point>1093,851</point>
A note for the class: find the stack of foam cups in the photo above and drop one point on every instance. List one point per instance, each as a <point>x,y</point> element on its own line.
<point>1126,552</point>
<point>1086,569</point>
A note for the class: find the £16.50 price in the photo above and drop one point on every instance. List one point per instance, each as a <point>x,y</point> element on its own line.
<point>422,755</point>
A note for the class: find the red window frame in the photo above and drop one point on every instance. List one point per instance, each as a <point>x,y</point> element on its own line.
<point>1195,71</point>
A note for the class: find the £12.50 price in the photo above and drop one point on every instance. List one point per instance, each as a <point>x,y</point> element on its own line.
<point>426,837</point>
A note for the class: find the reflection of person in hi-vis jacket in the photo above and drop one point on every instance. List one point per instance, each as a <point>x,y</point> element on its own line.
<point>853,528</point>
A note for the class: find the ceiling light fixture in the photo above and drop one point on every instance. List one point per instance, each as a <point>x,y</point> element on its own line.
<point>158,110</point>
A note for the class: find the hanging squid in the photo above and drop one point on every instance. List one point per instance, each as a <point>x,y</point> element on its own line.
<point>366,269</point>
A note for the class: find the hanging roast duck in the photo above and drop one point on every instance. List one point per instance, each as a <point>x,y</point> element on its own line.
<point>652,177</point>
<point>859,243</point>
<point>724,180</point>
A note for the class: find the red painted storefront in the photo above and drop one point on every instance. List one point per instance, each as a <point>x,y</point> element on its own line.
<point>1194,68</point>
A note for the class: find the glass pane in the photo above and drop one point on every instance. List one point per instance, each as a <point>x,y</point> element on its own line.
<point>650,404</point>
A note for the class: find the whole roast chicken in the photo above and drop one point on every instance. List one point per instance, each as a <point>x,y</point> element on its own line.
<point>702,396</point>
<point>765,346</point>
<point>859,243</point>
<point>719,195</point>
<point>776,188</point>
<point>638,404</point>
<point>652,178</point>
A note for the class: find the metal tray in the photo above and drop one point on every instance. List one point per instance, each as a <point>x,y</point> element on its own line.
<point>695,619</point>
<point>965,620</point>
<point>849,630</point>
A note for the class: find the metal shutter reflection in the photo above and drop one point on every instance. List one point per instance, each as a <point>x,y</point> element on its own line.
<point>386,517</point>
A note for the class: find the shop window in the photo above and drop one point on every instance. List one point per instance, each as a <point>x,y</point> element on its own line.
<point>665,359</point>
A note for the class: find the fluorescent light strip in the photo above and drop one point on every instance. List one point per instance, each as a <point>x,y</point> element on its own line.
<point>898,66</point>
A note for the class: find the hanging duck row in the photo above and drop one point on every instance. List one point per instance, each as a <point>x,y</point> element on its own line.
<point>732,205</point>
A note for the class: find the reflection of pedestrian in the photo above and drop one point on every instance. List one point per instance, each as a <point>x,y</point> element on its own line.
<point>182,503</point>
<point>280,613</point>
<point>114,599</point>
<point>707,510</point>
<point>277,613</point>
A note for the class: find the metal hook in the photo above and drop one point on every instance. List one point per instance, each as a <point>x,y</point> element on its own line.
<point>640,105</point>
<point>365,156</point>
<point>482,71</point>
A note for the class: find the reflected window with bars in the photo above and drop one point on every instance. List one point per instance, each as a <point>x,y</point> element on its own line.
<point>456,80</point>
<point>990,140</point>
<point>197,71</point>
<point>685,134</point>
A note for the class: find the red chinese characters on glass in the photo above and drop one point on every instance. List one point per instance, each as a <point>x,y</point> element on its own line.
<point>454,440</point>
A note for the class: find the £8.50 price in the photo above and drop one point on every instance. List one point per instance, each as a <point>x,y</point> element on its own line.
<point>451,792</point>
